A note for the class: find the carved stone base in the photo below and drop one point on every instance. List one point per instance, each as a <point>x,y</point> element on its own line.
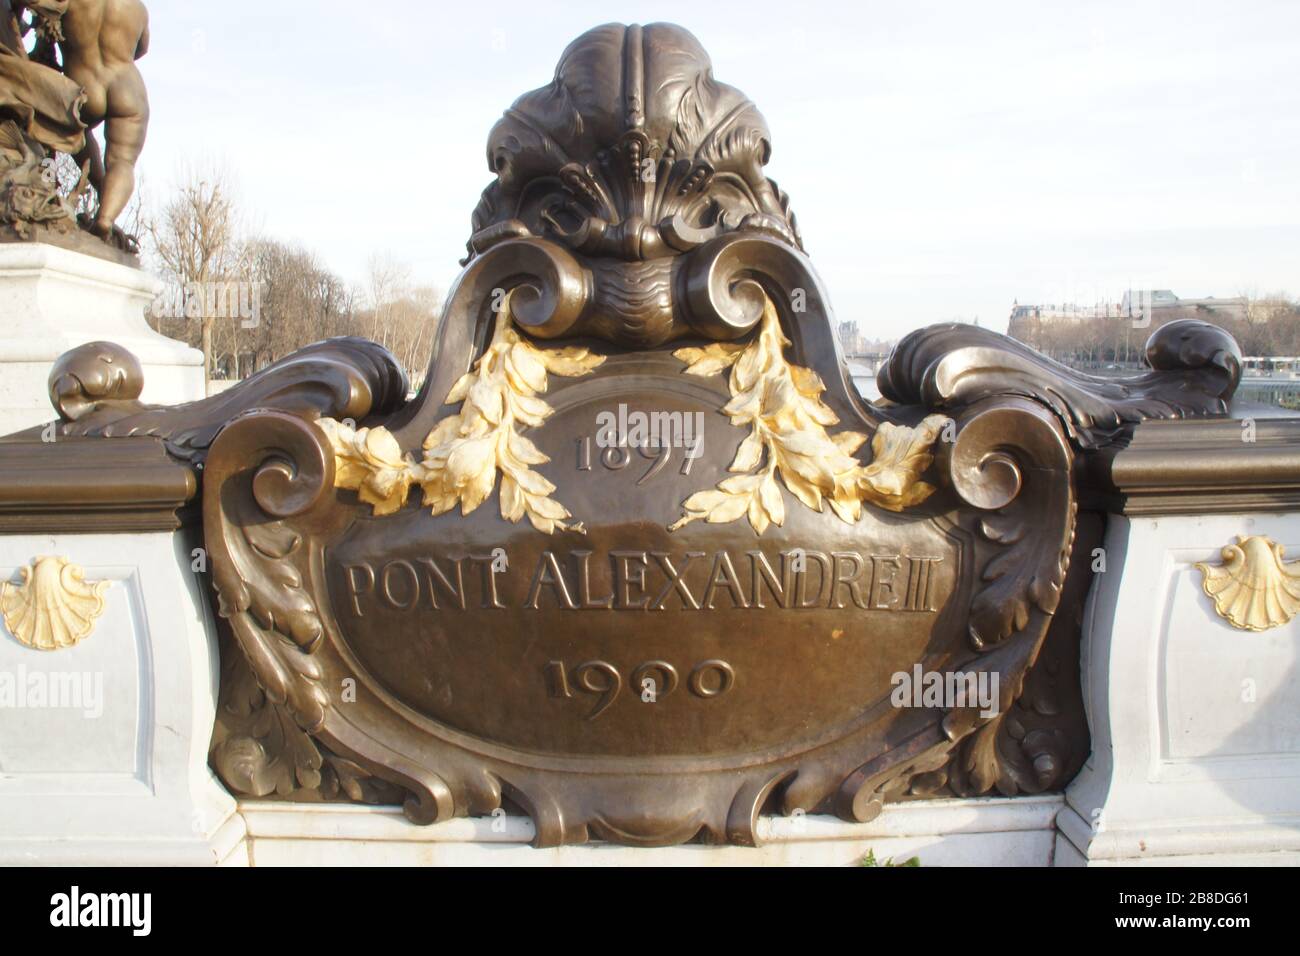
<point>52,300</point>
<point>1195,752</point>
<point>983,832</point>
<point>103,745</point>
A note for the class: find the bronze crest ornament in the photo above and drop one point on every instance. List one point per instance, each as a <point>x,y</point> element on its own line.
<point>684,632</point>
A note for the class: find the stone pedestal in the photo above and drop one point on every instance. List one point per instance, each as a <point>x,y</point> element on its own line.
<point>1196,746</point>
<point>52,300</point>
<point>104,741</point>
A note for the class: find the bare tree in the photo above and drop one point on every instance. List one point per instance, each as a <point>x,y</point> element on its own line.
<point>413,322</point>
<point>401,316</point>
<point>387,281</point>
<point>194,238</point>
<point>301,301</point>
<point>1264,330</point>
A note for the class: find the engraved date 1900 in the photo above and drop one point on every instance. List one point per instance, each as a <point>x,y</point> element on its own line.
<point>653,681</point>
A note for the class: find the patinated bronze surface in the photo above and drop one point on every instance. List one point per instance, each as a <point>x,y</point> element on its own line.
<point>468,600</point>
<point>80,75</point>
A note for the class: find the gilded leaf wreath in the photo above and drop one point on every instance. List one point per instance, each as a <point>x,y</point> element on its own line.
<point>781,404</point>
<point>464,452</point>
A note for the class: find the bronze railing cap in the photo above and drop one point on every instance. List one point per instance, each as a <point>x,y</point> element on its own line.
<point>91,485</point>
<point>1224,465</point>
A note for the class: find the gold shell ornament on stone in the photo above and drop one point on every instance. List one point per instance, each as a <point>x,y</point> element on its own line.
<point>1254,589</point>
<point>54,607</point>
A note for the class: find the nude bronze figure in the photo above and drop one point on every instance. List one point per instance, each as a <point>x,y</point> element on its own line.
<point>79,76</point>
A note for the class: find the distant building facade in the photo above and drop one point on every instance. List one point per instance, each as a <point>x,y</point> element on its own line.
<point>1153,307</point>
<point>853,342</point>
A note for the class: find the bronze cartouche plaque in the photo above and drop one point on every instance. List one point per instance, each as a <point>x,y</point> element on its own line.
<point>504,592</point>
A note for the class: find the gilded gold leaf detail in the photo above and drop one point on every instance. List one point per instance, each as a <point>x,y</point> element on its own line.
<point>1254,589</point>
<point>463,454</point>
<point>54,607</point>
<point>781,405</point>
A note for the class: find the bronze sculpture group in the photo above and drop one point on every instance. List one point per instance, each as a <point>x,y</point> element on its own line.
<point>79,75</point>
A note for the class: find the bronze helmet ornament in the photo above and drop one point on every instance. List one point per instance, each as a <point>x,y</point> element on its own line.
<point>633,155</point>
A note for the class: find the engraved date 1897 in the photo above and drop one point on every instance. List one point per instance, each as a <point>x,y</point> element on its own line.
<point>619,457</point>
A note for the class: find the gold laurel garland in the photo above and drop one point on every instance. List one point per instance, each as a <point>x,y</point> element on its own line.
<point>464,452</point>
<point>781,403</point>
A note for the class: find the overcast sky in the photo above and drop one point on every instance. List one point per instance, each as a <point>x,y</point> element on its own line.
<point>944,159</point>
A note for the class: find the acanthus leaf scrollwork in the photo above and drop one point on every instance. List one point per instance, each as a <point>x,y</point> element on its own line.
<point>264,468</point>
<point>258,749</point>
